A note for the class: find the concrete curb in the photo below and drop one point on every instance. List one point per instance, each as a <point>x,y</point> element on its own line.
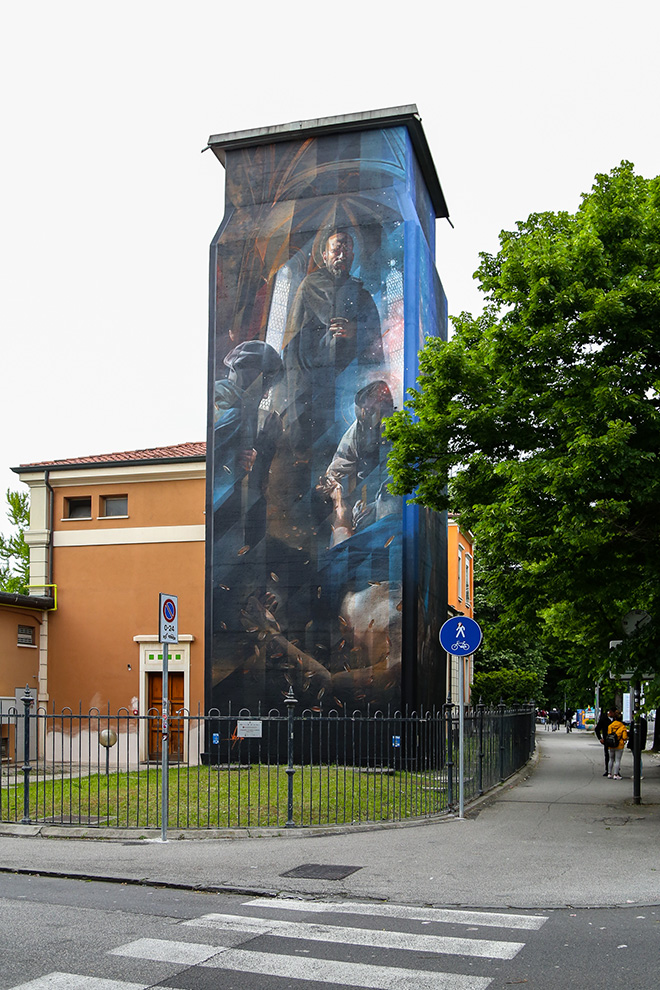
<point>300,832</point>
<point>124,837</point>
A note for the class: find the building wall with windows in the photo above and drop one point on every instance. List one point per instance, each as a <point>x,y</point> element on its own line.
<point>460,594</point>
<point>19,648</point>
<point>109,534</point>
<point>22,619</point>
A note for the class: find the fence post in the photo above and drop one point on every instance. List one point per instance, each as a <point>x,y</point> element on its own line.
<point>480,751</point>
<point>27,701</point>
<point>501,707</point>
<point>450,751</point>
<point>290,701</point>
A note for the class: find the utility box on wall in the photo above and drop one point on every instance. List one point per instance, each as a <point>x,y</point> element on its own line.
<point>323,288</point>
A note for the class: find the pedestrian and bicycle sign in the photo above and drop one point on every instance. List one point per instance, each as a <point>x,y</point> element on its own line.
<point>168,618</point>
<point>460,635</point>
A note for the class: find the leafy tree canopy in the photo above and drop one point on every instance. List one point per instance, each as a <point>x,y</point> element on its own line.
<point>14,551</point>
<point>539,422</point>
<point>513,687</point>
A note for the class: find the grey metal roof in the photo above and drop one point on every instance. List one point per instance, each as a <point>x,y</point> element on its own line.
<point>406,116</point>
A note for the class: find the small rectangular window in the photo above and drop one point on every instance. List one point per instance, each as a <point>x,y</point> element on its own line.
<point>460,573</point>
<point>467,579</point>
<point>26,635</point>
<point>114,505</point>
<point>78,508</point>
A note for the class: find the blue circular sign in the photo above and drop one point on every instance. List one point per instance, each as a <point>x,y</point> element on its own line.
<point>460,635</point>
<point>169,609</point>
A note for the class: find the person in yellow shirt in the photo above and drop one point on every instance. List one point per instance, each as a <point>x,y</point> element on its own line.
<point>618,729</point>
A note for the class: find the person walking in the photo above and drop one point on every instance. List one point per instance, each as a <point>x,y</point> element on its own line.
<point>601,727</point>
<point>616,741</point>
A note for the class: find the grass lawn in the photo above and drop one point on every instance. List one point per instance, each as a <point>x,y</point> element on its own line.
<point>220,797</point>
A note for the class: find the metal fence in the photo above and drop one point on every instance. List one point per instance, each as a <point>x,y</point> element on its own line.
<point>251,770</point>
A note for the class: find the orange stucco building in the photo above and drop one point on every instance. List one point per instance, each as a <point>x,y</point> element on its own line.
<point>107,534</point>
<point>460,594</point>
<point>22,619</point>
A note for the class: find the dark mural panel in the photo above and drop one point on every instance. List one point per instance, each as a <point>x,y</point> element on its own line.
<point>320,240</point>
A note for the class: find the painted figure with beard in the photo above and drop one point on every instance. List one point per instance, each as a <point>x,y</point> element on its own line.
<point>333,321</point>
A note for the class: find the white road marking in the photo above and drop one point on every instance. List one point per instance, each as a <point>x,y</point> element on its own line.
<point>346,974</point>
<point>162,950</point>
<point>443,915</point>
<point>483,948</point>
<point>72,981</point>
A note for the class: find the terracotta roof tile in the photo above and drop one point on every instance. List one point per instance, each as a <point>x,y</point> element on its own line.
<point>174,452</point>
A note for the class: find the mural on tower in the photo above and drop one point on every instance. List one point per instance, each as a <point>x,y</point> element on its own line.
<point>317,297</point>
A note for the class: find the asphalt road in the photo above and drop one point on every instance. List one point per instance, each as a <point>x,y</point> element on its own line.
<point>61,934</point>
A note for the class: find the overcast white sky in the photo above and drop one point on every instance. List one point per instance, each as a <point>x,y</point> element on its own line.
<point>108,207</point>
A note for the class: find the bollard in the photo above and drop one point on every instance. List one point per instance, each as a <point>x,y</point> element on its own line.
<point>27,701</point>
<point>290,701</point>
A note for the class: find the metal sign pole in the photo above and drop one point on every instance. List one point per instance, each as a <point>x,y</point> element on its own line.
<point>637,744</point>
<point>165,752</point>
<point>168,632</point>
<point>460,636</point>
<point>461,737</point>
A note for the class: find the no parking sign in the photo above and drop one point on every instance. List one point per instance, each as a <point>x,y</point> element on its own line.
<point>168,618</point>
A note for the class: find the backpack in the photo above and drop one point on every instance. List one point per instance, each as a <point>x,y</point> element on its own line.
<point>612,740</point>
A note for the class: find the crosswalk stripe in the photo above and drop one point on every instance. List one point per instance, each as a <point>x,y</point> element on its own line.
<point>483,948</point>
<point>166,950</point>
<point>73,981</point>
<point>346,974</point>
<point>488,919</point>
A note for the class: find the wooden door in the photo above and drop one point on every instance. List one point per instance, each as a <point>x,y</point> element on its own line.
<point>177,725</point>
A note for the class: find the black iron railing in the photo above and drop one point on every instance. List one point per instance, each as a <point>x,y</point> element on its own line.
<point>273,769</point>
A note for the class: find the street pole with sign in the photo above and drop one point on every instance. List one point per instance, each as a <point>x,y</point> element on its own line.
<point>168,632</point>
<point>460,636</point>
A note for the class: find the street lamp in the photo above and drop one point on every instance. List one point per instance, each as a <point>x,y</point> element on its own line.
<point>107,738</point>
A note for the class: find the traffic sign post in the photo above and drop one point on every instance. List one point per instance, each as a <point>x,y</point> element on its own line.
<point>168,632</point>
<point>460,636</point>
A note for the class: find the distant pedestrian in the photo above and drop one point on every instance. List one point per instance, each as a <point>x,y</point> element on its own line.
<point>616,741</point>
<point>554,717</point>
<point>601,727</point>
<point>568,719</point>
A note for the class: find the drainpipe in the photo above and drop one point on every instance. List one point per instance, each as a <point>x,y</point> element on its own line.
<point>51,502</point>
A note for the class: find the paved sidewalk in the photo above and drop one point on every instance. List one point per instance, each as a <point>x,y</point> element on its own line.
<point>562,835</point>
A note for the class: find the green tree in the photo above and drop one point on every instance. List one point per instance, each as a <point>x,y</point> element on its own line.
<point>14,551</point>
<point>513,687</point>
<point>539,421</point>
